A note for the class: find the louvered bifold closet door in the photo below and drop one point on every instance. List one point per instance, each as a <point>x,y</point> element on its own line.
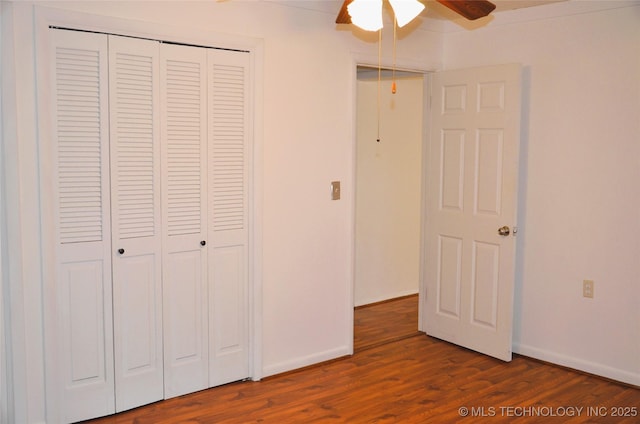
<point>136,220</point>
<point>75,166</point>
<point>184,192</point>
<point>229,133</point>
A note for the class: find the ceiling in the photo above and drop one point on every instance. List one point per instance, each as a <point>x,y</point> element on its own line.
<point>433,9</point>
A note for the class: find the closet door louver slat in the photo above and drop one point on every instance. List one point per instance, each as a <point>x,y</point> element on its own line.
<point>184,137</point>
<point>133,110</point>
<point>228,141</point>
<point>79,142</point>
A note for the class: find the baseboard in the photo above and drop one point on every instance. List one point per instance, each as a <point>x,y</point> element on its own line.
<point>370,300</point>
<point>578,364</point>
<point>304,361</point>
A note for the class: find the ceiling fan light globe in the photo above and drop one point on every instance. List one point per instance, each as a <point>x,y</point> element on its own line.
<point>366,14</point>
<point>406,10</point>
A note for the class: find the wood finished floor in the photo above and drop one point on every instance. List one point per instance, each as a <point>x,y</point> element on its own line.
<point>385,322</point>
<point>403,378</point>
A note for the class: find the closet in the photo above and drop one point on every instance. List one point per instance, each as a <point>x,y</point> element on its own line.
<point>145,191</point>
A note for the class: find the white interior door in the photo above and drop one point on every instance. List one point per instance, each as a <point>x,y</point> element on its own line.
<point>229,133</point>
<point>472,177</point>
<point>136,243</point>
<point>76,174</point>
<point>184,208</point>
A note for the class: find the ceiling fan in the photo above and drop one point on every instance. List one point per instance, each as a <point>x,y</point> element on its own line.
<point>470,9</point>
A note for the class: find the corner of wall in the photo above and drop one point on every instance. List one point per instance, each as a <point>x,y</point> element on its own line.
<point>4,380</point>
<point>21,288</point>
<point>301,362</point>
<point>578,364</point>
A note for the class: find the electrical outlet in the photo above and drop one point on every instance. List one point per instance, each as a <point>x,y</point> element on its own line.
<point>587,288</point>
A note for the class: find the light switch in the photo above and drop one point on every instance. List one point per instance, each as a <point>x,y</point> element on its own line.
<point>335,190</point>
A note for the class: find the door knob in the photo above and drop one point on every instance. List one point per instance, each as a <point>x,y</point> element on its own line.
<point>202,243</point>
<point>504,231</point>
<point>121,251</point>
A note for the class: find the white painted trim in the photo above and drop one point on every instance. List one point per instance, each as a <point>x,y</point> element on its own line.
<point>46,17</point>
<point>50,356</point>
<point>426,156</point>
<point>134,28</point>
<point>5,382</point>
<point>521,221</point>
<point>255,214</point>
<point>351,209</point>
<point>409,66</point>
<point>305,361</point>
<point>24,326</point>
<point>578,364</point>
<point>4,359</point>
<point>402,64</point>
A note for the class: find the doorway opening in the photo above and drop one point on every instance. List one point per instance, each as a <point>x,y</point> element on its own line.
<point>390,134</point>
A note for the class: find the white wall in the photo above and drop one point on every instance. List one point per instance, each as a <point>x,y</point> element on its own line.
<point>580,202</point>
<point>388,189</point>
<point>306,141</point>
<point>4,380</point>
<point>4,384</point>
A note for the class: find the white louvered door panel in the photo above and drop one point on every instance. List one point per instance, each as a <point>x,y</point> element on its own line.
<point>136,220</point>
<point>184,194</point>
<point>81,342</point>
<point>229,133</point>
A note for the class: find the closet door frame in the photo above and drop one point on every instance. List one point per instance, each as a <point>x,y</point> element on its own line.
<point>44,19</point>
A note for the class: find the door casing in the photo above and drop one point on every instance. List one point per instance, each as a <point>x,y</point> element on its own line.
<point>411,67</point>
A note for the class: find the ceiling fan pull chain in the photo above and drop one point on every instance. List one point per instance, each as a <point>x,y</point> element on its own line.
<point>379,77</point>
<point>393,71</point>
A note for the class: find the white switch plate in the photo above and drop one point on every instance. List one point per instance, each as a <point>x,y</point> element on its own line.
<point>587,288</point>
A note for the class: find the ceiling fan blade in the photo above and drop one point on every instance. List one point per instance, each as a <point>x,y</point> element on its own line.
<point>343,15</point>
<point>470,9</point>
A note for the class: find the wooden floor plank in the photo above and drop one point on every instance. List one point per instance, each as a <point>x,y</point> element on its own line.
<point>385,322</point>
<point>407,379</point>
